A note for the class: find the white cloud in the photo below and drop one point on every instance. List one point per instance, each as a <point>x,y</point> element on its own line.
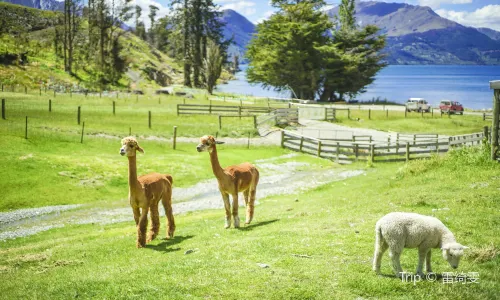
<point>488,16</point>
<point>437,3</point>
<point>245,8</point>
<point>265,16</point>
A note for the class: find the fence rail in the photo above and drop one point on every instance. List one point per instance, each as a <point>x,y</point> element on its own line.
<point>186,109</point>
<point>344,151</point>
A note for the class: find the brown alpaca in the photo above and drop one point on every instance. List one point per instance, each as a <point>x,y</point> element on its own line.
<point>232,180</point>
<point>144,194</point>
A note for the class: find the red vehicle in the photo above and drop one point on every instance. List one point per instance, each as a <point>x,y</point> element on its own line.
<point>451,107</point>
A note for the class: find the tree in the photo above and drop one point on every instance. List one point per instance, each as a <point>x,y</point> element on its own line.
<point>152,16</point>
<point>212,65</point>
<point>140,29</point>
<point>71,26</point>
<point>284,53</point>
<point>301,50</point>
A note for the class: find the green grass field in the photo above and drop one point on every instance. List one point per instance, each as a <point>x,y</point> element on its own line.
<point>317,243</point>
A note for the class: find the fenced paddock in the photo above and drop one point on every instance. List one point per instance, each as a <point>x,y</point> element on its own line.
<point>343,151</point>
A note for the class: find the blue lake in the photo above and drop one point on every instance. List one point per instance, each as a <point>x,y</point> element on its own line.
<point>467,84</point>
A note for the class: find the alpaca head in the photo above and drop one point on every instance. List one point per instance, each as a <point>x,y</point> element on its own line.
<point>452,252</point>
<point>130,146</point>
<point>207,143</point>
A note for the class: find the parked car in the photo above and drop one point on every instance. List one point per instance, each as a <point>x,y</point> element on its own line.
<point>451,107</point>
<point>417,104</point>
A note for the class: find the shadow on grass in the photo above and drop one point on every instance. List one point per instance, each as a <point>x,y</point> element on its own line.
<point>166,245</point>
<point>255,225</point>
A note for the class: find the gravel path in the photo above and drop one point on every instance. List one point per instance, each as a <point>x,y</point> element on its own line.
<point>287,178</point>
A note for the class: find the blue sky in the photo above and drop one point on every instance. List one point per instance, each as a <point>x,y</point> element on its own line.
<point>474,13</point>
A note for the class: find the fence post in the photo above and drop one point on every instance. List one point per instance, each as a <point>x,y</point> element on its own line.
<point>338,152</point>
<point>369,114</point>
<point>372,153</point>
<point>348,113</point>
<point>178,109</point>
<point>3,109</point>
<point>175,137</point>
<point>437,145</point>
<point>422,111</point>
<point>356,151</point>
<point>220,122</point>
<point>301,143</point>
<point>210,108</point>
<point>485,133</point>
<point>40,91</point>
<point>414,139</point>
<point>239,111</point>
<point>83,129</point>
<point>50,105</point>
<point>282,139</point>
<point>319,148</point>
<point>432,112</point>
<point>255,121</point>
<point>407,151</point>
<point>26,129</point>
<point>149,119</point>
<point>484,116</point>
<point>78,115</point>
<point>388,143</point>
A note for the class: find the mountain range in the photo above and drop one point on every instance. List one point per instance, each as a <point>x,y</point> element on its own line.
<point>39,4</point>
<point>415,34</point>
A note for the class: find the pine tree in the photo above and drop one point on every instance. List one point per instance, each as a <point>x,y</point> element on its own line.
<point>212,65</point>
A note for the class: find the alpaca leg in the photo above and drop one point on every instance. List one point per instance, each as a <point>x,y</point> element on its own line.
<point>167,205</point>
<point>236,218</point>
<point>155,222</point>
<point>250,207</point>
<point>428,262</point>
<point>227,207</point>
<point>137,214</point>
<point>380,248</point>
<point>141,228</point>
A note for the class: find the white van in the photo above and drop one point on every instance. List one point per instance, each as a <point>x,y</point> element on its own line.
<point>417,104</point>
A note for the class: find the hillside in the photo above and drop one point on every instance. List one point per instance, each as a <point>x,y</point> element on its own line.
<point>39,4</point>
<point>28,56</point>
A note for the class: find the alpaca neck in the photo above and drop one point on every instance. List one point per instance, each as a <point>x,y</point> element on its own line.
<point>132,174</point>
<point>216,168</point>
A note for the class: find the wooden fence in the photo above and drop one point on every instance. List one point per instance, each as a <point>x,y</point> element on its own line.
<point>186,109</point>
<point>348,151</point>
<point>286,115</point>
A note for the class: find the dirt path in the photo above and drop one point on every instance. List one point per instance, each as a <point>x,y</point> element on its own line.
<point>287,178</point>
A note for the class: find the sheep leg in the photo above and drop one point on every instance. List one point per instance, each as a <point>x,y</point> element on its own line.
<point>141,228</point>
<point>422,253</point>
<point>167,205</point>
<point>428,262</point>
<point>227,207</point>
<point>395,255</point>
<point>380,248</point>
<point>155,222</point>
<point>236,218</point>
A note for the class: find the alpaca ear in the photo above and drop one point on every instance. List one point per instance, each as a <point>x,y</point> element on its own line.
<point>140,149</point>
<point>217,142</point>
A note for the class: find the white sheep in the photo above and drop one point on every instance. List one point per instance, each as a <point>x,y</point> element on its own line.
<point>400,230</point>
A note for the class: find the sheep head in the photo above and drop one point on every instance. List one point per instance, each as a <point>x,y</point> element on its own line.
<point>207,143</point>
<point>130,146</point>
<point>453,252</point>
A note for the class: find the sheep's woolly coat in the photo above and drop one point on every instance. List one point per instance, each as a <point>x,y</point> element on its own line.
<point>399,230</point>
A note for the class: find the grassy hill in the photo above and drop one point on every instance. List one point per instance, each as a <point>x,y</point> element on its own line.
<point>27,55</point>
